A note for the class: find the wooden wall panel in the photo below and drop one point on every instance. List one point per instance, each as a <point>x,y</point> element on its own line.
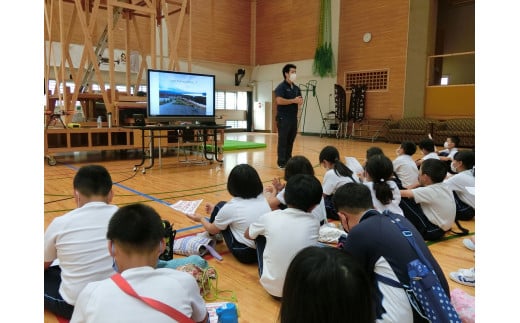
<point>445,102</point>
<point>221,32</point>
<point>286,31</point>
<point>388,24</point>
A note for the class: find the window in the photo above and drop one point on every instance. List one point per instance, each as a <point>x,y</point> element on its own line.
<point>456,68</point>
<point>232,100</point>
<point>242,101</point>
<point>141,88</point>
<point>96,88</point>
<point>52,86</point>
<point>237,124</point>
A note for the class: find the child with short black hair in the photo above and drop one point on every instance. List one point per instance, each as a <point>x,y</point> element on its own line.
<point>74,244</point>
<point>450,148</point>
<point>427,147</point>
<point>275,193</point>
<point>462,166</point>
<point>431,207</point>
<point>382,250</point>
<point>405,169</point>
<point>372,151</point>
<point>275,247</point>
<point>135,241</point>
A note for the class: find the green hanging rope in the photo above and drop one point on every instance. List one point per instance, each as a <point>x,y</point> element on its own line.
<point>323,58</point>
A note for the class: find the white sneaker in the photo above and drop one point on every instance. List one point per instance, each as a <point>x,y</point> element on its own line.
<point>469,244</point>
<point>464,276</point>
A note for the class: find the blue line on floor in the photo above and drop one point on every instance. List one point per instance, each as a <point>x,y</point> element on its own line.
<point>159,201</point>
<point>148,197</point>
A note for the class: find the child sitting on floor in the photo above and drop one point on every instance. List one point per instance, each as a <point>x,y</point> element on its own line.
<point>232,218</point>
<point>135,240</point>
<point>337,174</point>
<point>405,169</point>
<point>427,148</point>
<point>462,166</point>
<point>275,193</point>
<point>431,207</point>
<point>379,179</point>
<point>281,234</point>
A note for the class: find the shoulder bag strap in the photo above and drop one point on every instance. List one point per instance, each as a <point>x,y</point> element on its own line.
<point>409,236</point>
<point>158,305</point>
<point>463,231</point>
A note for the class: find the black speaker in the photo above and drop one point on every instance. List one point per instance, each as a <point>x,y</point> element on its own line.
<point>138,119</point>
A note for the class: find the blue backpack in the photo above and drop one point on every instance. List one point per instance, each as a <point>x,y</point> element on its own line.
<point>424,290</point>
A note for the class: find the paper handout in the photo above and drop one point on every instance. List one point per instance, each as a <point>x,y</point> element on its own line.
<point>186,207</point>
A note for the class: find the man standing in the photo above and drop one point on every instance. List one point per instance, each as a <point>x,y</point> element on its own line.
<point>288,100</point>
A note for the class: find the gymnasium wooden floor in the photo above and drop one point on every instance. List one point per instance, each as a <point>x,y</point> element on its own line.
<point>173,180</point>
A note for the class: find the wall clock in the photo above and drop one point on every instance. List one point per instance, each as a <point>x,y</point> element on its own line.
<point>367,37</point>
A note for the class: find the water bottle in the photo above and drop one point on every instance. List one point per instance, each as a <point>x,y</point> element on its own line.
<point>227,313</point>
<point>99,122</point>
<point>109,119</point>
<point>78,115</point>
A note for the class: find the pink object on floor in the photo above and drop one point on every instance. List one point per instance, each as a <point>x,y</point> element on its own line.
<point>464,304</point>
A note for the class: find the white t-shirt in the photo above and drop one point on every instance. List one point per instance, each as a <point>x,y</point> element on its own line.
<point>451,153</point>
<point>239,213</point>
<point>393,206</point>
<point>78,240</point>
<point>319,211</point>
<point>430,155</point>
<point>395,301</point>
<point>354,165</point>
<point>406,170</point>
<point>286,233</point>
<point>104,301</point>
<point>437,203</point>
<point>459,182</point>
<point>331,181</point>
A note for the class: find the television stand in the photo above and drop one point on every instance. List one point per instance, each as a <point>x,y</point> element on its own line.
<point>207,135</point>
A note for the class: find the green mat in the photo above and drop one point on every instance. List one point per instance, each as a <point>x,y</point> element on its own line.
<point>236,145</point>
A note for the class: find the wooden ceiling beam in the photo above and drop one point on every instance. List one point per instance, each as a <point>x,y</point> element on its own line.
<point>132,7</point>
<point>89,48</point>
<point>174,39</point>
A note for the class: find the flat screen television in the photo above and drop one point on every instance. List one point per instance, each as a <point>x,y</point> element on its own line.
<point>179,96</point>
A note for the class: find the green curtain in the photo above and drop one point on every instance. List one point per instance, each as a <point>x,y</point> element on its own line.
<point>323,58</point>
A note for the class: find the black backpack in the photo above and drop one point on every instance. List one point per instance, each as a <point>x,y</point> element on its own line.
<point>464,213</point>
<point>169,236</point>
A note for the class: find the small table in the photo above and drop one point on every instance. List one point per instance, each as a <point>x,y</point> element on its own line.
<point>208,131</point>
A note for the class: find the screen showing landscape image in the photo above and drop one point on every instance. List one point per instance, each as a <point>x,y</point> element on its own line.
<point>176,94</point>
